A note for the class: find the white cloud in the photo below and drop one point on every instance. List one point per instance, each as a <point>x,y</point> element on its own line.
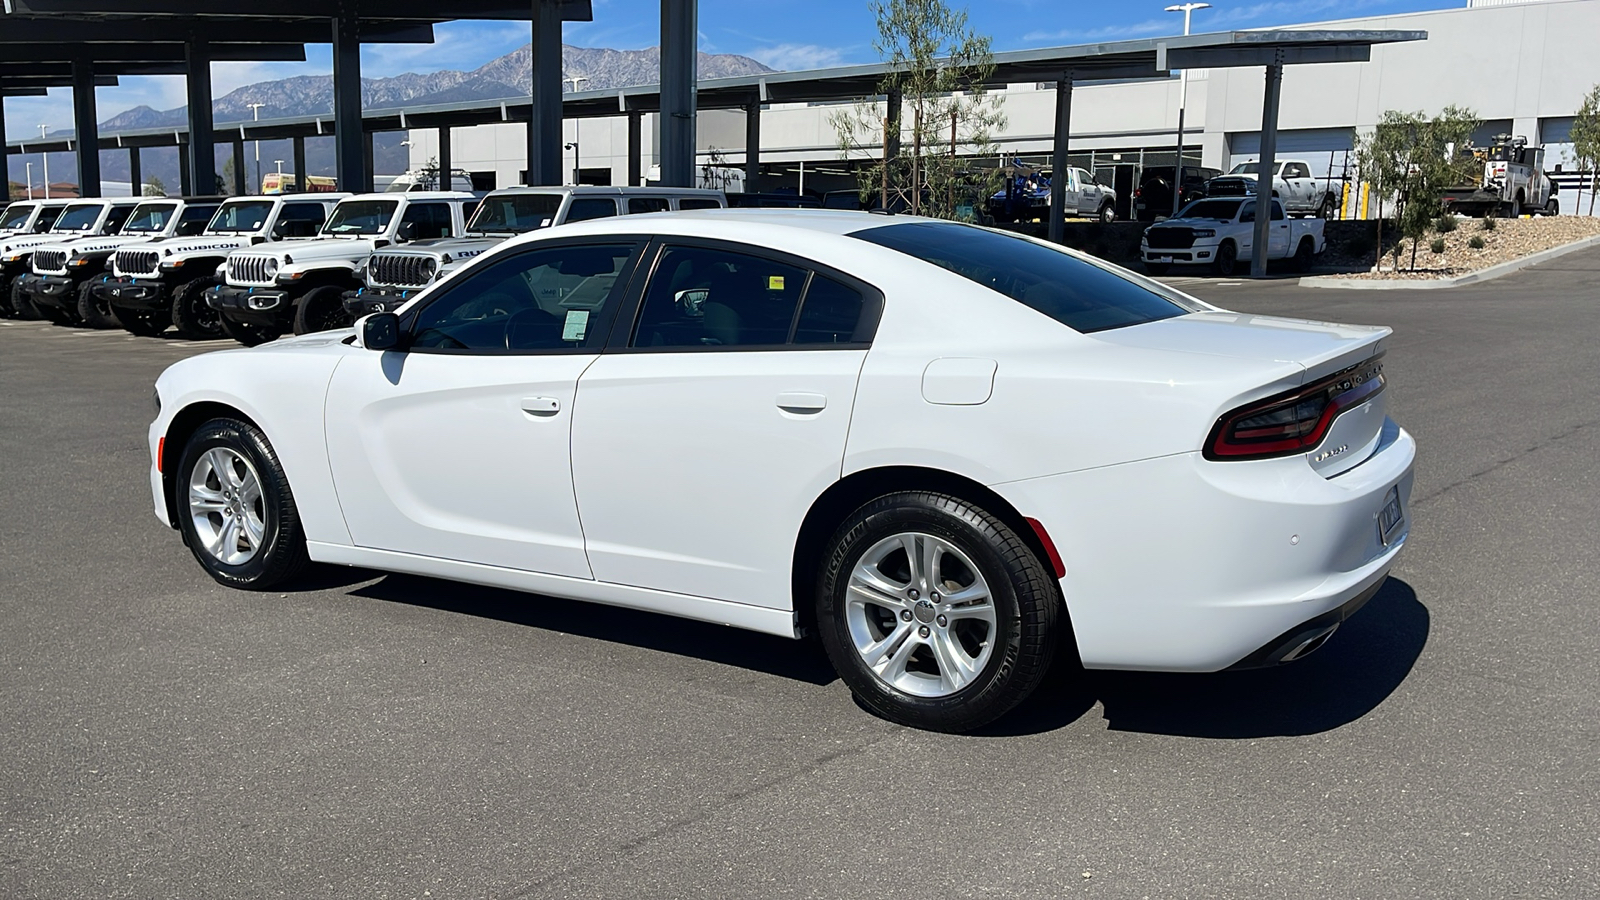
<point>1107,33</point>
<point>797,57</point>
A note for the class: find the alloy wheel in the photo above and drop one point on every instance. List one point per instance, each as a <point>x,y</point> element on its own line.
<point>226,506</point>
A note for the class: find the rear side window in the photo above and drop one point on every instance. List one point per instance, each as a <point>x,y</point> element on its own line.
<point>584,208</point>
<point>830,313</point>
<point>47,218</point>
<point>698,203</point>
<point>646,204</point>
<point>1082,295</point>
<point>119,216</point>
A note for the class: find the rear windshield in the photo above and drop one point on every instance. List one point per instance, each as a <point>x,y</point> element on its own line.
<point>515,213</point>
<point>149,217</point>
<point>78,217</point>
<point>15,215</point>
<point>1080,294</point>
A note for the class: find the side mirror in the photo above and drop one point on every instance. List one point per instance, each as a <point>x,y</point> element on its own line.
<point>380,331</point>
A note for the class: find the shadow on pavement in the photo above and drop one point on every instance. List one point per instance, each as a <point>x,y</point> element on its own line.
<point>1357,670</point>
<point>785,658</point>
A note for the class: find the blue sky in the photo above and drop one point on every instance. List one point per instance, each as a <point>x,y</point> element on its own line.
<point>784,34</point>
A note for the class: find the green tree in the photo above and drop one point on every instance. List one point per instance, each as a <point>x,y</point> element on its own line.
<point>1586,141</point>
<point>154,187</point>
<point>939,67</point>
<point>1412,158</point>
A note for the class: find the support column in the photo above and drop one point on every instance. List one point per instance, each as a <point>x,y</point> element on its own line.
<point>240,185</point>
<point>300,183</point>
<point>1264,168</point>
<point>891,115</point>
<point>446,182</point>
<point>752,146</point>
<point>635,147</point>
<point>186,171</point>
<point>367,156</point>
<point>202,165</point>
<point>87,126</point>
<point>5,162</point>
<point>1058,159</point>
<point>544,119</point>
<point>349,157</point>
<point>678,53</point>
<point>135,172</point>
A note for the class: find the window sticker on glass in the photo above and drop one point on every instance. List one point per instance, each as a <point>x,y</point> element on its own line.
<point>576,325</point>
<point>774,282</point>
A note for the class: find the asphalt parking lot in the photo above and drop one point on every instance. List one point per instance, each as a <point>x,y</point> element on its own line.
<point>367,736</point>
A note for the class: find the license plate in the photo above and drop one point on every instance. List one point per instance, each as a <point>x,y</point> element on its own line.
<point>1390,518</point>
<point>1163,259</point>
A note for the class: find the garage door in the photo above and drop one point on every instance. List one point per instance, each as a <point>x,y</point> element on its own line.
<point>1317,146</point>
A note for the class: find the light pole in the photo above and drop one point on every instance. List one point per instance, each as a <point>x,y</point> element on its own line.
<point>1183,102</point>
<point>255,108</point>
<point>577,162</point>
<point>44,134</point>
<point>577,128</point>
<point>279,164</point>
<point>30,179</point>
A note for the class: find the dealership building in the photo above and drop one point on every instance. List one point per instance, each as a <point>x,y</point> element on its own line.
<point>1522,66</point>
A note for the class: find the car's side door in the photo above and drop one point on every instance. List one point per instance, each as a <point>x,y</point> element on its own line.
<point>1278,233</point>
<point>1298,175</point>
<point>717,417</point>
<point>1091,195</point>
<point>456,445</point>
<point>1072,192</point>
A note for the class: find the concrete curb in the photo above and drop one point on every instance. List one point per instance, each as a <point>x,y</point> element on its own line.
<point>1505,268</point>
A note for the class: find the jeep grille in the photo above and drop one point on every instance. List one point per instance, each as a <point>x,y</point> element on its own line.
<point>138,262</point>
<point>401,269</point>
<point>50,262</point>
<point>248,269</point>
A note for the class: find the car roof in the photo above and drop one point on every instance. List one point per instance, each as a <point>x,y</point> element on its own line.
<point>745,224</point>
<point>413,196</point>
<point>607,190</point>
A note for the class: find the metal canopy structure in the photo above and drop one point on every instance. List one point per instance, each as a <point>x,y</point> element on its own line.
<point>186,36</point>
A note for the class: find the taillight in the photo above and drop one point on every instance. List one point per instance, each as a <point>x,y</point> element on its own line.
<point>1294,421</point>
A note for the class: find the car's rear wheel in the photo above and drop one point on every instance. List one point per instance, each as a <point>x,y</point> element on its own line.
<point>322,309</point>
<point>143,322</point>
<point>193,316</point>
<point>235,508</point>
<point>248,335</point>
<point>95,312</point>
<point>1329,208</point>
<point>935,612</point>
<point>1303,256</point>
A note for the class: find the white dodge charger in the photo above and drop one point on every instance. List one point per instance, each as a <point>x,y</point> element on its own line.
<point>943,449</point>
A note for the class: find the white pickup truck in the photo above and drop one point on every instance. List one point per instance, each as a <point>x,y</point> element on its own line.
<point>1292,183</point>
<point>1220,232</point>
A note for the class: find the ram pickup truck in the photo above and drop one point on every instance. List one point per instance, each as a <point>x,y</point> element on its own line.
<point>162,282</point>
<point>1292,184</point>
<point>1220,232</point>
<point>394,275</point>
<point>64,274</point>
<point>78,219</point>
<point>268,291</point>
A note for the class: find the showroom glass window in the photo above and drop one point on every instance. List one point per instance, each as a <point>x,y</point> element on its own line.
<point>550,299</point>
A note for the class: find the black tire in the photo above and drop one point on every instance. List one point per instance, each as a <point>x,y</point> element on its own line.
<point>281,552</point>
<point>143,322</point>
<point>1552,207</point>
<point>1227,261</point>
<point>1329,208</point>
<point>55,315</point>
<point>193,316</point>
<point>248,335</point>
<point>1108,213</point>
<point>1304,255</point>
<point>95,312</point>
<point>1026,604</point>
<point>21,304</point>
<point>322,309</point>
<point>1157,268</point>
<point>6,309</point>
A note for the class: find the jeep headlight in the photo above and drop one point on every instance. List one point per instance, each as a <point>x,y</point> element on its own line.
<point>272,268</point>
<point>430,268</point>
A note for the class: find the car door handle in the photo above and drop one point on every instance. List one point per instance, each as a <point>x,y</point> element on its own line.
<point>802,402</point>
<point>541,406</point>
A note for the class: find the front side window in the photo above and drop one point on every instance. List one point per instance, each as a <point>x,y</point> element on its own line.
<point>15,216</point>
<point>47,218</point>
<point>244,216</point>
<point>1073,290</point>
<point>300,220</point>
<point>425,221</point>
<point>361,217</point>
<point>194,219</point>
<point>709,297</point>
<point>646,204</point>
<point>1296,170</point>
<point>583,209</point>
<point>78,217</point>
<point>116,218</point>
<point>515,213</point>
<point>149,218</point>
<point>699,203</point>
<point>539,300</point>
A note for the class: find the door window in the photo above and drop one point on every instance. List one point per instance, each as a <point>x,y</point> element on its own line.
<point>300,220</point>
<point>829,314</point>
<point>698,203</point>
<point>585,208</point>
<point>542,300</point>
<point>425,221</point>
<point>709,297</point>
<point>193,220</point>
<point>646,204</point>
<point>1249,213</point>
<point>114,222</point>
<point>1296,170</point>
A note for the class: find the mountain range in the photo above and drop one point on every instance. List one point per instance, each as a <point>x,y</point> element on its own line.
<point>505,77</point>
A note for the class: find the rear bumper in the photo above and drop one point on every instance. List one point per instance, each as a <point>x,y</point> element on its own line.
<point>252,306</point>
<point>1180,564</point>
<point>132,293</point>
<point>375,300</point>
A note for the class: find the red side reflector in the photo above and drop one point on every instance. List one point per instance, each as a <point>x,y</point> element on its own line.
<point>1049,549</point>
<point>161,452</point>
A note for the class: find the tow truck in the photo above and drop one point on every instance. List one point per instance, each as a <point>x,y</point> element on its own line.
<point>1512,182</point>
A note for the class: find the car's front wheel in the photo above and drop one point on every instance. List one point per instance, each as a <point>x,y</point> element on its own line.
<point>94,311</point>
<point>235,508</point>
<point>195,318</point>
<point>246,334</point>
<point>935,612</point>
<point>1227,260</point>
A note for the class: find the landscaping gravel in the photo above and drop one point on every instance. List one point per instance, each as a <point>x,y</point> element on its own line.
<point>1509,240</point>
